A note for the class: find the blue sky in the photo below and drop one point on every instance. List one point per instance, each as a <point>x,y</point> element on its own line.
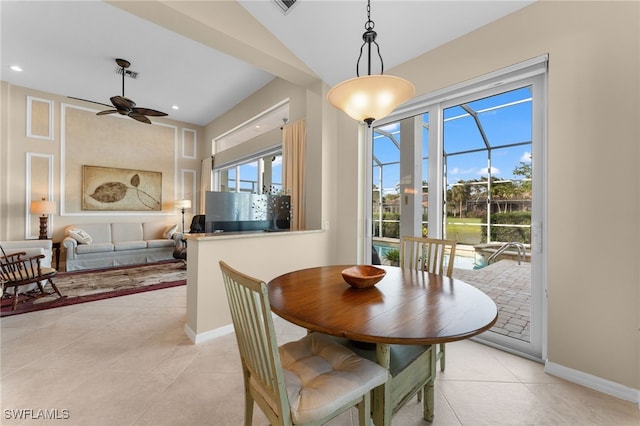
<point>505,119</point>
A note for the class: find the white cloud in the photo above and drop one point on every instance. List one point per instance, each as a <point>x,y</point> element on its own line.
<point>485,171</point>
<point>526,157</point>
<point>456,171</point>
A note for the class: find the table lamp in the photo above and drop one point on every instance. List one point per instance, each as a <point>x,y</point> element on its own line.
<point>183,204</point>
<point>43,208</point>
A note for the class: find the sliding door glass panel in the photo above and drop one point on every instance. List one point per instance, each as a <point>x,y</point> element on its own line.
<point>425,174</point>
<point>487,152</point>
<point>480,147</point>
<point>385,186</point>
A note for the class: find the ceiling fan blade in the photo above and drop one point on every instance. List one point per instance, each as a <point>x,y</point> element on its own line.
<point>109,111</point>
<point>87,100</point>
<point>140,117</point>
<point>120,102</point>
<point>151,112</point>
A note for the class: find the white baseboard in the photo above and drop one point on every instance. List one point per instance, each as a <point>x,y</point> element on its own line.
<point>593,382</point>
<point>209,335</point>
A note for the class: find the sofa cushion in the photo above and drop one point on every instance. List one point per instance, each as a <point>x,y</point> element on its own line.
<point>94,248</point>
<point>129,245</point>
<point>155,230</point>
<point>160,243</point>
<point>79,235</point>
<point>121,232</point>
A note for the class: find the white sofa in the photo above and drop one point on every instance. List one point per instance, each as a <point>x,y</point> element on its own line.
<point>117,244</point>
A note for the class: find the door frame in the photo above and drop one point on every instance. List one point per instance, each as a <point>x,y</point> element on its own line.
<point>534,73</point>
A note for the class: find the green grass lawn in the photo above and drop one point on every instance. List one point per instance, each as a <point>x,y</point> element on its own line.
<point>464,230</point>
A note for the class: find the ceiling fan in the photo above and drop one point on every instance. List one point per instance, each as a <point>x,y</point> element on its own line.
<point>124,105</point>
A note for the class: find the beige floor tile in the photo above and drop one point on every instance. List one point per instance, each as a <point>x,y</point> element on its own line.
<point>582,406</point>
<point>35,344</point>
<point>494,403</point>
<point>127,361</point>
<point>526,371</point>
<point>411,414</point>
<point>112,398</point>
<point>198,398</point>
<point>467,360</point>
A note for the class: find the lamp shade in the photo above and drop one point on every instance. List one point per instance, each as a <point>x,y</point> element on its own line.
<point>43,207</point>
<point>370,97</point>
<point>183,204</point>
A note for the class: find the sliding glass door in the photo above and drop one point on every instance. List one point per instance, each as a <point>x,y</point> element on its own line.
<point>471,168</point>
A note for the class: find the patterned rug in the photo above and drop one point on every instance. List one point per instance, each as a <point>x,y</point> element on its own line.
<point>87,286</point>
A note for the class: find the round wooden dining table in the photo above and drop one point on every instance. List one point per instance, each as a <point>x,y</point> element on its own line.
<point>407,307</point>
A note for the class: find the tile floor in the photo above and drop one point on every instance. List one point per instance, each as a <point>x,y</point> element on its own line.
<point>127,361</point>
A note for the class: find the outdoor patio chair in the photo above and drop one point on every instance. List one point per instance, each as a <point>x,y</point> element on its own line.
<point>308,381</point>
<point>17,270</point>
<point>429,255</point>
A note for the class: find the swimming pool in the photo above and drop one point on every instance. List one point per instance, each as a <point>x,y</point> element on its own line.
<point>466,257</point>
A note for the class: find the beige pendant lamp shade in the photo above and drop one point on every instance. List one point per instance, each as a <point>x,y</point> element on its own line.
<point>370,97</point>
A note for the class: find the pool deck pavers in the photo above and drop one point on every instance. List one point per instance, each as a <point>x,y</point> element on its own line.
<point>508,284</point>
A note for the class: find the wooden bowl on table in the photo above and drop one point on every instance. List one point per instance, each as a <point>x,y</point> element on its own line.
<point>363,276</point>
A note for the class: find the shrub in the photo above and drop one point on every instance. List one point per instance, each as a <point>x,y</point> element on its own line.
<point>393,256</point>
<point>498,233</point>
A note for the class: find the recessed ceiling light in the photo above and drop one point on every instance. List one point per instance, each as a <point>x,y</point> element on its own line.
<point>175,107</point>
<point>257,126</point>
<point>16,68</point>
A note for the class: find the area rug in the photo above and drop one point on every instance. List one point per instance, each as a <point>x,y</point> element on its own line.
<point>87,286</point>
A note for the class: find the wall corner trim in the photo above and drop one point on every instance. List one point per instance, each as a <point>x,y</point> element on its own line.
<point>209,335</point>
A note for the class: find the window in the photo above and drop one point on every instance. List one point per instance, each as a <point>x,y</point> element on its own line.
<point>467,164</point>
<point>249,157</point>
<point>253,175</point>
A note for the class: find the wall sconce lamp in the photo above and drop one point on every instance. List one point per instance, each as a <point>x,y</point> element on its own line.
<point>183,205</point>
<point>370,97</point>
<point>43,208</point>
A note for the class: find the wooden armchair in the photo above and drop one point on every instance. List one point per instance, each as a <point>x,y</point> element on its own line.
<point>17,270</point>
<point>308,381</point>
<point>431,255</point>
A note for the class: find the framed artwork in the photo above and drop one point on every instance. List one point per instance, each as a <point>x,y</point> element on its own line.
<point>113,189</point>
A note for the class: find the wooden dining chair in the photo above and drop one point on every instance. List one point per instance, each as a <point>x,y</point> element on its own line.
<point>17,270</point>
<point>308,381</point>
<point>431,255</point>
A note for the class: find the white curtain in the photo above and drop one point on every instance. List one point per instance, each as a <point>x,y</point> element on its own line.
<point>205,182</point>
<point>294,137</point>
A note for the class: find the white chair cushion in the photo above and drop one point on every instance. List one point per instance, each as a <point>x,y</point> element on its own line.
<point>322,375</point>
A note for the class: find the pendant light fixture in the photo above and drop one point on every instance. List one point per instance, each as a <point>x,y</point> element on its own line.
<point>370,97</point>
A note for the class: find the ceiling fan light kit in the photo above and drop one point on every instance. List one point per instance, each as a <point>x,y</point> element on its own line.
<point>371,97</point>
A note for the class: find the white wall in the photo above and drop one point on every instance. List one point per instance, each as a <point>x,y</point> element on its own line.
<point>593,180</point>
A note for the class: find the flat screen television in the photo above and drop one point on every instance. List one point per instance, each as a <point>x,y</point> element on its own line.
<point>241,211</point>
